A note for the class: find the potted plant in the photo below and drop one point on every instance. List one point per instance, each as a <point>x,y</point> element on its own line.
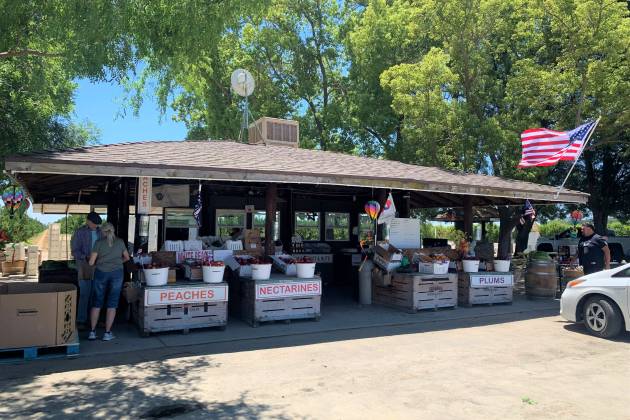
<point>470,264</point>
<point>502,264</point>
<point>213,271</point>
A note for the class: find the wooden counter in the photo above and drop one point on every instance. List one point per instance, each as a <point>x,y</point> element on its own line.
<point>415,291</point>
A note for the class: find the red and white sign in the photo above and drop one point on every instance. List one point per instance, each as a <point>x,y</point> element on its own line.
<point>491,280</point>
<point>205,255</point>
<point>183,295</point>
<point>145,184</point>
<point>288,289</point>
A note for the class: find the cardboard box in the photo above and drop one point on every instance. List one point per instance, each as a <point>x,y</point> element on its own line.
<point>37,314</point>
<point>388,252</point>
<point>167,258</point>
<point>172,275</point>
<point>252,243</point>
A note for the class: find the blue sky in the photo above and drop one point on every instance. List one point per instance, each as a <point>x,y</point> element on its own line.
<point>102,104</point>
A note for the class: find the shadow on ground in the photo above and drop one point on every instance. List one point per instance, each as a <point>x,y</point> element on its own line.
<point>141,391</point>
<point>624,337</point>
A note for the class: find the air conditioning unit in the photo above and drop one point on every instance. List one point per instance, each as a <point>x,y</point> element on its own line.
<point>275,132</point>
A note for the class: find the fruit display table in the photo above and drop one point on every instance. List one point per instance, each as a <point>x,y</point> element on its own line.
<point>180,306</point>
<point>416,291</point>
<point>280,298</point>
<point>485,287</point>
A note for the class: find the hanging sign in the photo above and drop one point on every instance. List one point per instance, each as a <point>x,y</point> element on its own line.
<point>144,194</point>
<point>491,280</point>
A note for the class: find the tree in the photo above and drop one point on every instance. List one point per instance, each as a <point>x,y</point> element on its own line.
<point>19,228</point>
<point>69,224</point>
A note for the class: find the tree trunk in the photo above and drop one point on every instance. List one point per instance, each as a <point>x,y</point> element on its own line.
<point>506,214</point>
<point>600,220</point>
<point>522,237</point>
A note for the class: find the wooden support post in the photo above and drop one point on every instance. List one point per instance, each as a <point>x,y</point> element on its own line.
<point>468,217</point>
<point>271,201</point>
<point>123,212</point>
<point>484,231</point>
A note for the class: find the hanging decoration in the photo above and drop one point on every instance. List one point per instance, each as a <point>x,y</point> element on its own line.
<point>15,201</point>
<point>198,207</point>
<point>389,211</point>
<point>577,215</point>
<point>372,208</point>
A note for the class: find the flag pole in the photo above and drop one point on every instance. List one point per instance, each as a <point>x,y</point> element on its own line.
<point>578,156</point>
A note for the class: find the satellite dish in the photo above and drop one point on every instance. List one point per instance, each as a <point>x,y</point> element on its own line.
<point>242,82</point>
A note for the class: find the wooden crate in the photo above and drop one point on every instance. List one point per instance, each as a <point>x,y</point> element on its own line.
<point>174,313</point>
<point>254,311</point>
<point>415,291</point>
<point>151,319</point>
<point>488,295</point>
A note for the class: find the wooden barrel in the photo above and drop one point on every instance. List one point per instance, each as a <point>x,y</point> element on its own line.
<point>541,279</point>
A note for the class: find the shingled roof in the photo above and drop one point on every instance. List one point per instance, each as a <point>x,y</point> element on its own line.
<point>231,161</point>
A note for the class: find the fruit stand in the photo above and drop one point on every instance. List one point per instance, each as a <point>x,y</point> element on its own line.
<point>485,288</point>
<point>416,291</point>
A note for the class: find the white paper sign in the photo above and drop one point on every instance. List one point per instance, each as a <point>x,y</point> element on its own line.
<point>405,233</point>
<point>183,295</point>
<point>289,289</point>
<point>491,280</point>
<point>205,255</point>
<point>144,194</point>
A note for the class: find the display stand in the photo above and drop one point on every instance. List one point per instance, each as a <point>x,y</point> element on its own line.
<point>180,306</point>
<point>485,288</point>
<point>280,298</point>
<point>414,291</point>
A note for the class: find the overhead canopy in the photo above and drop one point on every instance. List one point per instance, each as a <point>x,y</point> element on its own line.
<point>63,176</point>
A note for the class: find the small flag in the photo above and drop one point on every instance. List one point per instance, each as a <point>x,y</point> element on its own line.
<point>527,211</point>
<point>544,147</point>
<point>198,207</point>
<point>389,211</point>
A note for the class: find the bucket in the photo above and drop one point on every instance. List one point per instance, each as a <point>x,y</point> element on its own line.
<point>213,274</point>
<point>261,271</point>
<point>502,266</point>
<point>305,270</point>
<point>541,279</point>
<point>470,266</point>
<point>156,276</point>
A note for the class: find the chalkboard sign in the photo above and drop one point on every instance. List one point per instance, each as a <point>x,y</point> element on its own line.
<point>405,233</point>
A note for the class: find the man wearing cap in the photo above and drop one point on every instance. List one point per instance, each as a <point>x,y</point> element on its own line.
<point>593,250</point>
<point>82,242</point>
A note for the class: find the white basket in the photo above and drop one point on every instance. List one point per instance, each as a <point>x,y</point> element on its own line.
<point>471,266</point>
<point>213,274</point>
<point>234,245</point>
<point>433,268</point>
<point>156,276</point>
<point>305,270</point>
<point>502,266</point>
<point>261,271</point>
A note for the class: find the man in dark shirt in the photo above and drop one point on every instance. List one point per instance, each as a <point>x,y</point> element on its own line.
<point>593,250</point>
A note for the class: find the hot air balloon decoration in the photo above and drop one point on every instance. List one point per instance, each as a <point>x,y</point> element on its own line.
<point>372,208</point>
<point>15,201</point>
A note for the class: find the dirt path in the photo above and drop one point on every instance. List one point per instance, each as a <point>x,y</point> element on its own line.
<point>538,368</point>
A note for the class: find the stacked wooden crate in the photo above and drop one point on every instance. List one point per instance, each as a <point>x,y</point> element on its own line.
<point>485,288</point>
<point>415,291</point>
<point>282,304</point>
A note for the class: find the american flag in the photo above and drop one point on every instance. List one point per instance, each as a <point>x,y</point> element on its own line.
<point>544,147</point>
<point>527,211</point>
<point>198,207</point>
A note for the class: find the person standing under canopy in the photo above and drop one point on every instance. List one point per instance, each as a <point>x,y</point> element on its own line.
<point>593,250</point>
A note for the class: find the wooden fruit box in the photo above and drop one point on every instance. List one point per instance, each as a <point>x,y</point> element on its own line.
<point>180,307</point>
<point>414,291</point>
<point>274,299</point>
<point>473,292</point>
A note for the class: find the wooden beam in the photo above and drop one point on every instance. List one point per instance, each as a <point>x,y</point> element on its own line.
<point>468,217</point>
<point>271,197</point>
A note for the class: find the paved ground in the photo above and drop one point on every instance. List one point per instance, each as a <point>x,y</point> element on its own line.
<point>524,364</point>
